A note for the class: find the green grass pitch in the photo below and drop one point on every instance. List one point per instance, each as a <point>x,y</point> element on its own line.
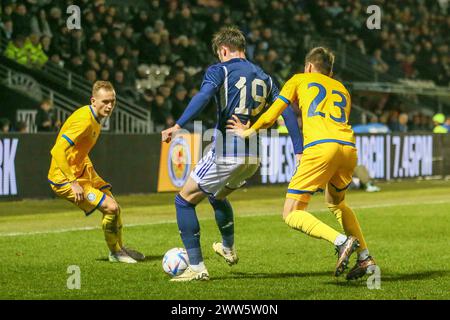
<point>406,226</point>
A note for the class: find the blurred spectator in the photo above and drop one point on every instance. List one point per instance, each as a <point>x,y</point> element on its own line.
<point>77,42</point>
<point>141,21</point>
<point>408,66</point>
<point>55,58</point>
<point>147,99</point>
<point>91,75</point>
<point>447,123</point>
<point>37,56</point>
<point>167,94</point>
<point>438,120</point>
<point>180,101</point>
<point>39,24</point>
<point>46,118</point>
<point>46,45</point>
<point>119,52</point>
<point>90,61</point>
<point>105,75</point>
<point>119,82</point>
<point>96,42</point>
<point>129,74</point>
<point>6,29</point>
<point>115,39</point>
<point>76,64</point>
<point>22,127</point>
<point>161,112</point>
<point>16,50</point>
<point>270,62</point>
<point>5,125</point>
<point>416,123</point>
<point>55,20</point>
<point>378,64</point>
<point>21,20</point>
<point>403,122</point>
<point>393,123</point>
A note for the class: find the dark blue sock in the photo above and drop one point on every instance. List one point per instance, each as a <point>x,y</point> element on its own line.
<point>189,229</point>
<point>224,219</point>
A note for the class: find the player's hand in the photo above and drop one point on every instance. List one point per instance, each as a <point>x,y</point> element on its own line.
<point>77,191</point>
<point>298,156</point>
<point>166,135</point>
<point>236,126</point>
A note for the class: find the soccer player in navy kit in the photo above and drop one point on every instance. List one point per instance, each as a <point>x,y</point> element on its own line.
<point>243,90</point>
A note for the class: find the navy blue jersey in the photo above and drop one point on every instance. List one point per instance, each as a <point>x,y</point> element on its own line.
<point>244,90</point>
<point>239,88</point>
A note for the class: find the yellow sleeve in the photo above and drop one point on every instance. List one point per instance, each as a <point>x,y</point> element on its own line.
<point>268,118</point>
<point>289,91</point>
<point>72,134</point>
<point>77,130</point>
<point>59,154</point>
<point>287,95</point>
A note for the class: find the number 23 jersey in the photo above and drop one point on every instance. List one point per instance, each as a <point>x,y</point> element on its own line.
<point>325,105</point>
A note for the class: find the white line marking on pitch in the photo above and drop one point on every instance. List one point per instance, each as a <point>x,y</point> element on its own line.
<point>15,234</point>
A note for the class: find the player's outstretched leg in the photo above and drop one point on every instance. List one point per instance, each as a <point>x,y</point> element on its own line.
<point>190,235</point>
<point>297,218</point>
<point>347,218</point>
<point>225,222</point>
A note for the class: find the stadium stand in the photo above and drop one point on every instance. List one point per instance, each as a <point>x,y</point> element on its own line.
<point>152,50</point>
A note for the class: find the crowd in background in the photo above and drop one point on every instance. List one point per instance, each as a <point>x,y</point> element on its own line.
<point>116,39</point>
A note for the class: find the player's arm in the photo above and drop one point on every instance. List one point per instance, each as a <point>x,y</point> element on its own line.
<point>71,136</point>
<point>287,95</point>
<point>291,122</point>
<point>290,116</point>
<point>58,153</point>
<point>212,81</point>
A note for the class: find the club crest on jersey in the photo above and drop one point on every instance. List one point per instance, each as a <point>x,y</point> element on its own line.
<point>91,196</point>
<point>179,161</point>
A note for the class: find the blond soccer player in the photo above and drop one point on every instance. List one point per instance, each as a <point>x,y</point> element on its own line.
<point>73,177</point>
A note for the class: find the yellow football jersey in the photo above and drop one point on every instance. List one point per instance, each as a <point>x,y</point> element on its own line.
<point>81,131</point>
<point>325,105</point>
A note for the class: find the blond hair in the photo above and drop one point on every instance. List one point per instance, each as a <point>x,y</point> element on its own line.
<point>106,85</point>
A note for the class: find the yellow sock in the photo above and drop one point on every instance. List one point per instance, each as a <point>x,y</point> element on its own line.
<point>349,222</point>
<point>109,226</point>
<point>307,223</point>
<point>119,228</point>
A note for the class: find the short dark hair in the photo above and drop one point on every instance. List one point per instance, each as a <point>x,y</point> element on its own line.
<point>231,37</point>
<point>322,59</point>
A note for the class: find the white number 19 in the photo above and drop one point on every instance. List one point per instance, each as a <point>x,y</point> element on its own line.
<point>258,98</point>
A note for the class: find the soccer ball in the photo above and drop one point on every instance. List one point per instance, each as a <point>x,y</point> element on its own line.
<point>175,261</point>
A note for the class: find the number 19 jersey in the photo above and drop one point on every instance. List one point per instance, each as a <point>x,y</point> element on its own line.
<point>325,105</point>
<point>244,90</point>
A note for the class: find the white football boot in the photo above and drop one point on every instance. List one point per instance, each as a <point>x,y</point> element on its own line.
<point>190,275</point>
<point>120,256</point>
<point>230,257</point>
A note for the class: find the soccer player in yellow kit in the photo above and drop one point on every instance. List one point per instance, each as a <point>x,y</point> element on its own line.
<point>72,175</point>
<point>328,160</point>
